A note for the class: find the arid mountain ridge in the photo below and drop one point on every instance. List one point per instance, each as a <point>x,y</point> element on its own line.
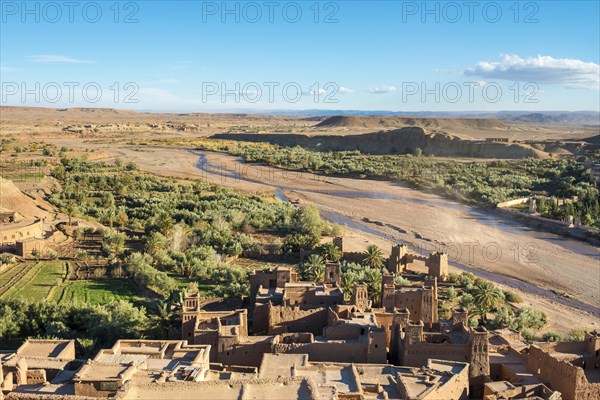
<point>401,140</point>
<point>440,136</point>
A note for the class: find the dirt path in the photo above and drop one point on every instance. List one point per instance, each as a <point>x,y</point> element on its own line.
<point>472,237</point>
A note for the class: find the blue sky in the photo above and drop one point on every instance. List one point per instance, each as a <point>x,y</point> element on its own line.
<point>376,55</point>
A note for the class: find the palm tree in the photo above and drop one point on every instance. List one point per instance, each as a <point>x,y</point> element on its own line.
<point>162,319</point>
<point>319,274</point>
<point>331,252</point>
<point>373,257</point>
<point>155,242</point>
<point>70,210</point>
<point>109,215</point>
<point>314,268</point>
<point>347,283</point>
<point>486,297</point>
<point>166,315</point>
<point>373,280</point>
<point>188,267</point>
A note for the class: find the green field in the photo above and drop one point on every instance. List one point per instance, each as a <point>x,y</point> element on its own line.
<point>23,176</point>
<point>36,280</point>
<point>46,280</point>
<point>97,292</point>
<point>11,276</point>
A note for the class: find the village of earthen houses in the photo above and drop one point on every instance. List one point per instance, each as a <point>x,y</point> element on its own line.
<point>299,200</point>
<point>182,265</point>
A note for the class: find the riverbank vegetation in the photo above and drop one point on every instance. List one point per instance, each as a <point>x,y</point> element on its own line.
<point>484,183</point>
<point>494,308</point>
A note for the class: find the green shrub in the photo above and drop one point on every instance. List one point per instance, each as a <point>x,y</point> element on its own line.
<point>528,335</point>
<point>551,337</point>
<point>466,280</point>
<point>400,280</point>
<point>466,301</point>
<point>451,292</point>
<point>139,267</point>
<point>577,335</point>
<point>6,259</point>
<point>453,277</point>
<point>504,317</point>
<point>512,297</point>
<point>529,318</point>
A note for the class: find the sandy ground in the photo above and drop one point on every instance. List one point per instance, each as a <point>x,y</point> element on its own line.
<point>385,213</point>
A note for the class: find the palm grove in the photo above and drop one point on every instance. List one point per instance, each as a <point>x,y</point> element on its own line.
<point>163,234</point>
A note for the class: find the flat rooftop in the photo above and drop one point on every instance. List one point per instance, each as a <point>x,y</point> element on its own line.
<point>302,284</point>
<point>362,319</point>
<point>256,339</point>
<point>136,359</point>
<point>96,371</point>
<point>280,365</point>
<point>294,388</point>
<point>517,366</point>
<point>16,225</point>
<point>43,348</point>
<point>10,360</point>
<point>341,377</point>
<point>500,386</point>
<point>269,292</point>
<point>420,381</point>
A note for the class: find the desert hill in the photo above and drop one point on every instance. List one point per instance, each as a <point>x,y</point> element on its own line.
<point>11,198</point>
<point>97,115</point>
<point>53,121</point>
<point>570,118</point>
<point>394,141</point>
<point>431,123</point>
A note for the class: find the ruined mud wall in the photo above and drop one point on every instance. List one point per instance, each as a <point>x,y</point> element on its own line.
<point>328,352</point>
<point>246,354</point>
<point>457,387</point>
<point>294,319</point>
<point>420,302</point>
<point>561,375</point>
<point>417,355</point>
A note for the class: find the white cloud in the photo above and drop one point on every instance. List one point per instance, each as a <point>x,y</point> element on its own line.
<point>53,58</point>
<point>345,90</point>
<point>382,89</point>
<point>311,92</point>
<point>566,72</point>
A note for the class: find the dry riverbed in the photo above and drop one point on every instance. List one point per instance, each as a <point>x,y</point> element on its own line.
<point>385,212</point>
